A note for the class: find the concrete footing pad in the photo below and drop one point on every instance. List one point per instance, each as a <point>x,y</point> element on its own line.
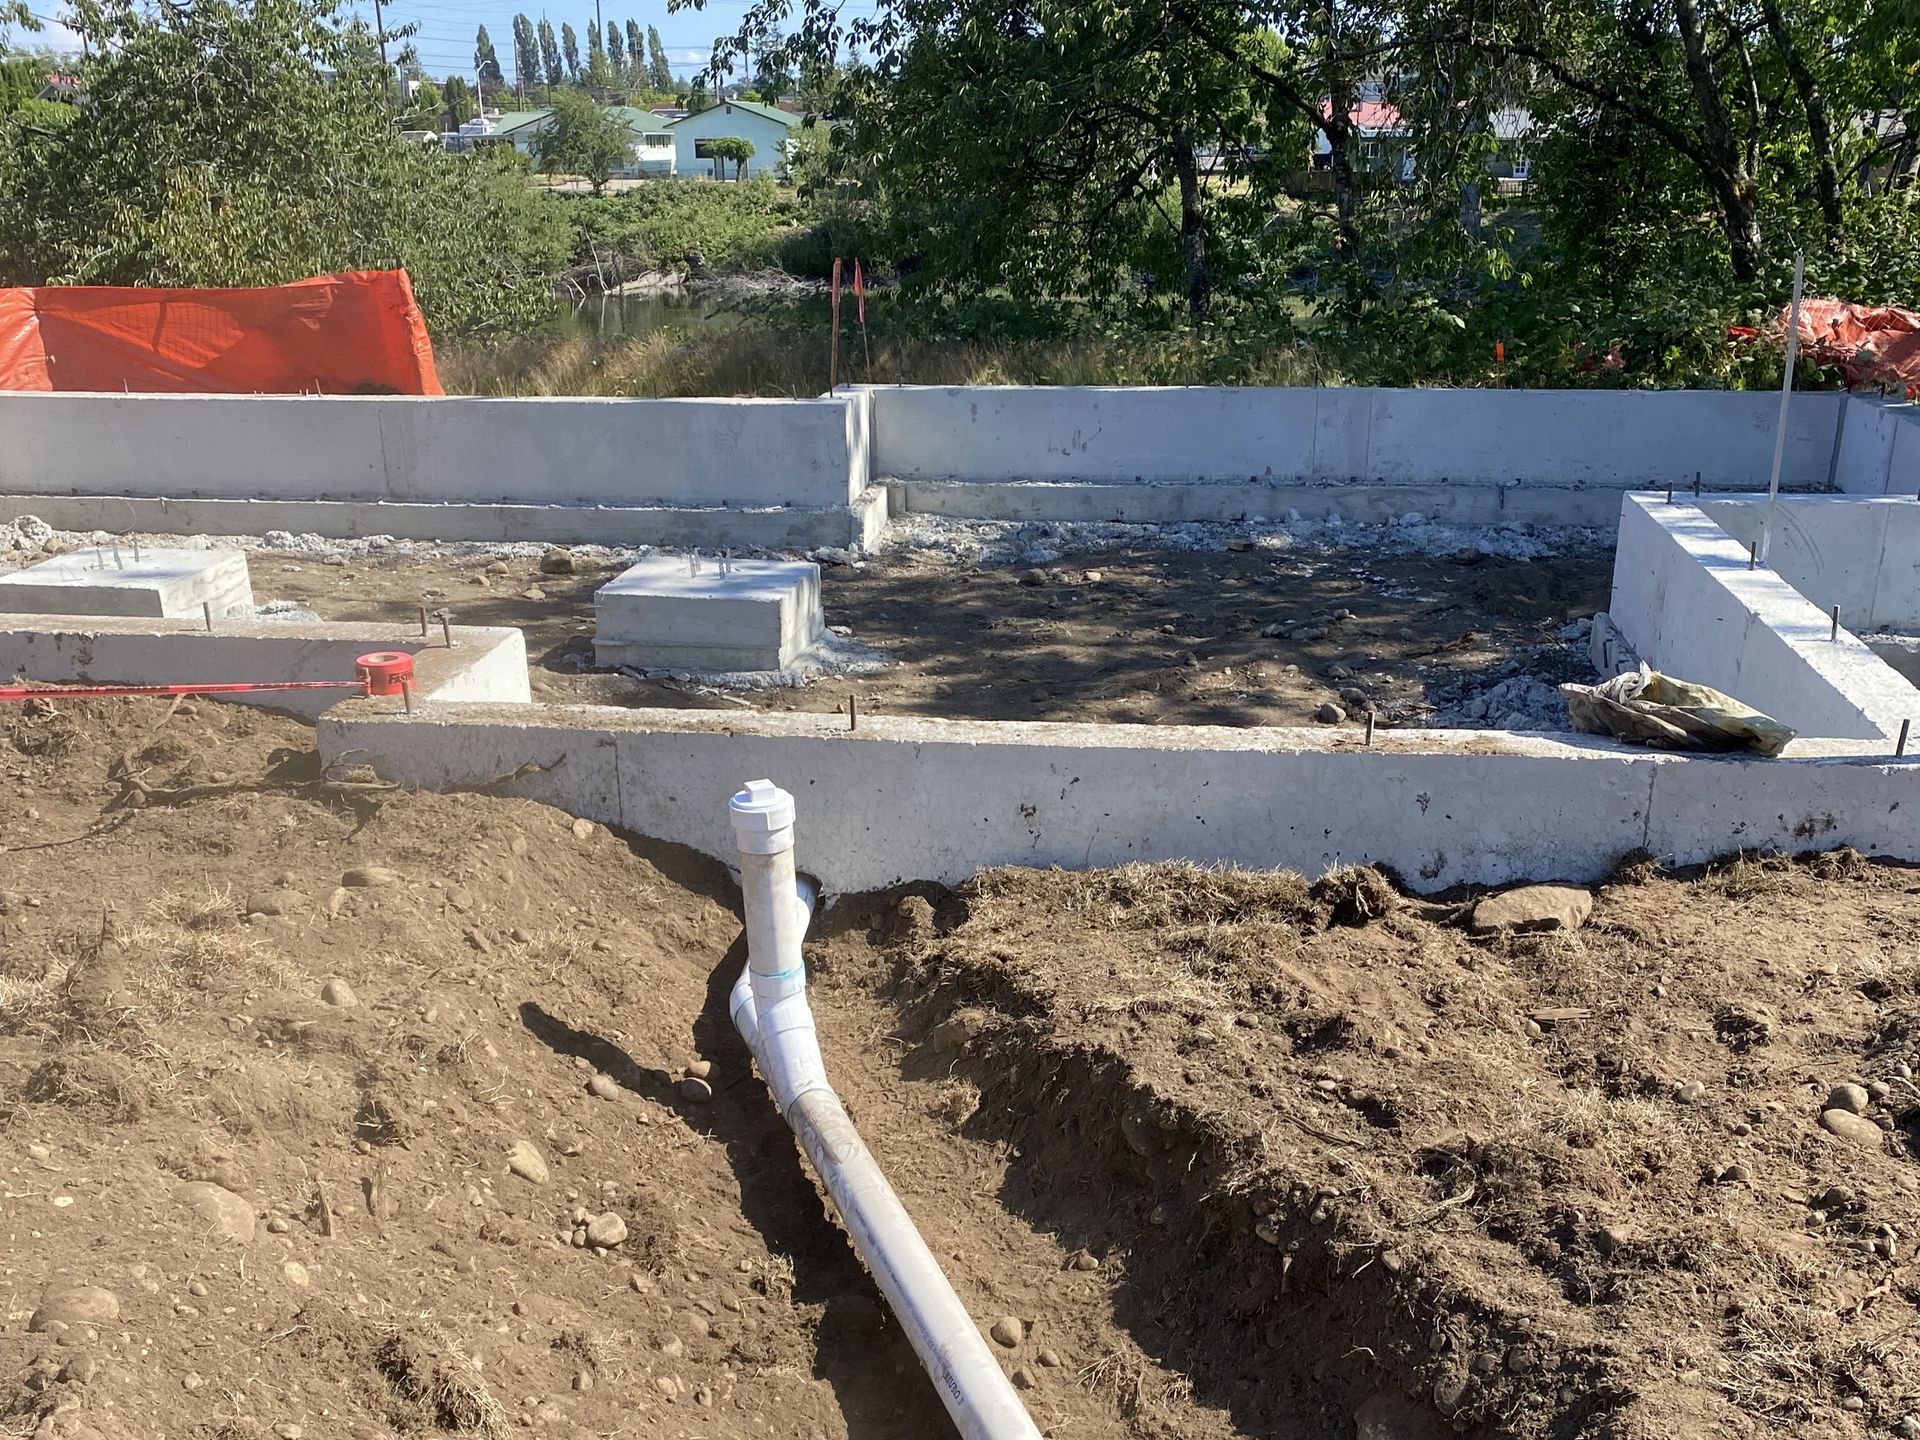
<point>673,613</point>
<point>118,580</point>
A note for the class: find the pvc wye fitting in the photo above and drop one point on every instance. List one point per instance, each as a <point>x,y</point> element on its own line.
<point>762,816</point>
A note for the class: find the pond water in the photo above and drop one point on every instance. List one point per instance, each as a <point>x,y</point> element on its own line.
<point>609,317</point>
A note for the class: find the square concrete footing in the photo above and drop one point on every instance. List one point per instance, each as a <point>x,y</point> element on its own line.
<point>664,614</point>
<point>156,584</point>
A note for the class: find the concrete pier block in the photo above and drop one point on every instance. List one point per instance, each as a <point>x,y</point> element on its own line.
<point>160,584</point>
<point>754,615</point>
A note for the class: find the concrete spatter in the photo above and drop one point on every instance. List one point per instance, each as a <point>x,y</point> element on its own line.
<point>900,800</point>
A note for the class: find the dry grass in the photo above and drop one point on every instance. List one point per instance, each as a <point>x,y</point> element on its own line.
<point>427,1366</point>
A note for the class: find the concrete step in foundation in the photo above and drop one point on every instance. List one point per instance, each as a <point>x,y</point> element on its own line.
<point>1172,502</point>
<point>712,528</point>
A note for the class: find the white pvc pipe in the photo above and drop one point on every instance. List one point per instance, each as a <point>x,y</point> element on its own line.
<point>769,1005</point>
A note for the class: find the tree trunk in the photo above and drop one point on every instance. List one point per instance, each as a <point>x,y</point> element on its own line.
<point>1193,226</point>
<point>1826,174</point>
<point>1723,163</point>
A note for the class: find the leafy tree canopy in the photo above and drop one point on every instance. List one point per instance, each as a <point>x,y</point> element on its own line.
<point>232,143</point>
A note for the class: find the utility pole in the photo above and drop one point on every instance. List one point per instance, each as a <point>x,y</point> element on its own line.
<point>380,29</point>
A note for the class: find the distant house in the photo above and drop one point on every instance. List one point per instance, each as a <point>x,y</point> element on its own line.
<point>768,127</point>
<point>651,155</point>
<point>1384,141</point>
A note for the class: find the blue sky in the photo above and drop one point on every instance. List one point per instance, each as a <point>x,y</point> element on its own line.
<point>445,37</point>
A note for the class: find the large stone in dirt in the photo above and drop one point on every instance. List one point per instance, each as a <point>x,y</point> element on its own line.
<point>75,1305</point>
<point>1849,1126</point>
<point>1531,908</point>
<point>217,1209</point>
<point>527,1162</point>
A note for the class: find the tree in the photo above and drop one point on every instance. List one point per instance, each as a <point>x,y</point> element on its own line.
<point>598,76</point>
<point>486,64</point>
<point>659,71</point>
<point>550,61</point>
<point>731,147</point>
<point>425,107</point>
<point>616,52</point>
<point>185,169</point>
<point>636,56</point>
<point>457,97</point>
<point>696,98</point>
<point>526,56</point>
<point>582,139</point>
<point>570,47</point>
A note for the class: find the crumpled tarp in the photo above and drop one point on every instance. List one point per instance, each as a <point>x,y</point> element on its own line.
<point>357,333</point>
<point>1872,344</point>
<point>1644,707</point>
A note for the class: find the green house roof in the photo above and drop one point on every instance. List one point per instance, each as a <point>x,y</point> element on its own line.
<point>507,121</point>
<point>752,107</point>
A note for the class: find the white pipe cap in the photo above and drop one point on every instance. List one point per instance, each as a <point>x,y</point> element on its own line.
<point>760,809</point>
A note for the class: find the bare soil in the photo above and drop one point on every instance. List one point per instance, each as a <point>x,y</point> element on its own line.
<point>1243,1155</point>
<point>1149,635</point>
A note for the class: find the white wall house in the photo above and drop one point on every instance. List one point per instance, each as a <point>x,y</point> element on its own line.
<point>768,128</point>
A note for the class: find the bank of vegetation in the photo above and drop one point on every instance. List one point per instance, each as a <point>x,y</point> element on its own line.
<point>1128,190</point>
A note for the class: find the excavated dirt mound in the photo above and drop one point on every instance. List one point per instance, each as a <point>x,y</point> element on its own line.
<point>334,1110</point>
<point>1350,1163</point>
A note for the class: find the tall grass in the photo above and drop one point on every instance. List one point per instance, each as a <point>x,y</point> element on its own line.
<point>757,357</point>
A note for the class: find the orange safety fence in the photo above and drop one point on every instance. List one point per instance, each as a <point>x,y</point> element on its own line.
<point>1870,344</point>
<point>358,333</point>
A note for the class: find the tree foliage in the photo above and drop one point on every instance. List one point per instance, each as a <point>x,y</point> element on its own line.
<point>659,71</point>
<point>736,148</point>
<point>570,47</point>
<point>486,64</point>
<point>233,143</point>
<point>582,139</point>
<point>1127,153</point>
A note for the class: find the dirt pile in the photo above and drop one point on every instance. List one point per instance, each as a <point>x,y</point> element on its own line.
<point>362,1111</point>
<point>1653,1176</point>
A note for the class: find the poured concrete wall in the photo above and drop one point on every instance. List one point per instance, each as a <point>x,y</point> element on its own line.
<point>1879,447</point>
<point>1686,601</point>
<point>706,453</point>
<point>1861,553</point>
<point>1592,437</point>
<point>912,799</point>
<point>486,664</point>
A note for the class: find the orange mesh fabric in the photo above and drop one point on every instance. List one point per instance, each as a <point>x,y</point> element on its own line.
<point>358,333</point>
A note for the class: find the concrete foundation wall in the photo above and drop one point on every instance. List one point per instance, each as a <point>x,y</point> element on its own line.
<point>1879,450</point>
<point>1685,600</point>
<point>1602,438</point>
<point>486,664</point>
<point>909,799</point>
<point>1858,552</point>
<point>721,453</point>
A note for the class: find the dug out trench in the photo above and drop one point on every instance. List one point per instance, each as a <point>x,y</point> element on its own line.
<point>337,1110</point>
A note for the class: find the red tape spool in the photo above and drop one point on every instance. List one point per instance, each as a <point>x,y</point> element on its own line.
<point>386,672</point>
